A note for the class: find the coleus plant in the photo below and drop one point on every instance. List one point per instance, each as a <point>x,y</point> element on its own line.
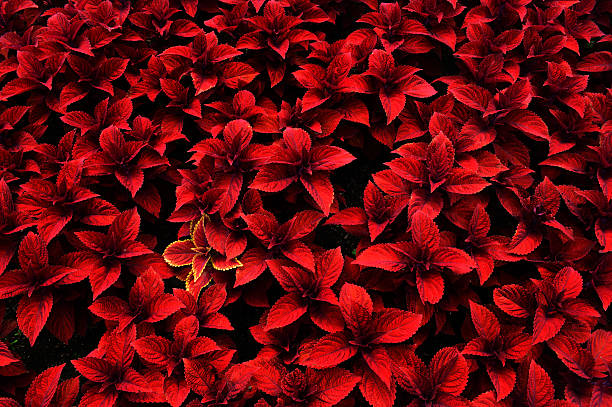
<point>35,282</point>
<point>367,332</point>
<point>199,250</point>
<point>165,354</point>
<point>110,374</point>
<point>296,159</point>
<point>423,257</point>
<point>305,203</point>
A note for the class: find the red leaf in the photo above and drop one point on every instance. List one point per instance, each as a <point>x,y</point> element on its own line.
<point>199,376</point>
<point>32,314</point>
<point>154,349</point>
<point>424,231</point>
<point>179,253</point>
<point>133,382</point>
<point>463,182</point>
<point>525,241</point>
<point>273,178</point>
<point>185,28</point>
<point>546,326</point>
<point>66,393</point>
<point>162,307</point>
<point>105,398</point>
<point>285,311</point>
<point>392,103</point>
<point>356,306</point>
<point>503,379</point>
<point>395,326</point>
<point>568,283</point>
<point>327,158</point>
<point>329,351</point>
<point>452,258</point>
<point>238,74</point>
<point>102,278</point>
<point>417,87</point>
<point>6,402</point>
<point>6,357</point>
<point>176,390</point>
<point>110,308</point>
<point>375,391</point>
<point>43,387</point>
<point>332,386</point>
<point>540,390</point>
<point>472,96</point>
<point>378,360</point>
<point>527,122</point>
<point>430,286</point>
<point>320,189</point>
<point>596,62</point>
<point>449,371</point>
<point>382,256</point>
<point>511,300</point>
<point>94,369</point>
<point>300,253</point>
<point>484,321</point>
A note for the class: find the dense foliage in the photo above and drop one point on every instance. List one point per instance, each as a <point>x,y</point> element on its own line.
<point>305,203</point>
